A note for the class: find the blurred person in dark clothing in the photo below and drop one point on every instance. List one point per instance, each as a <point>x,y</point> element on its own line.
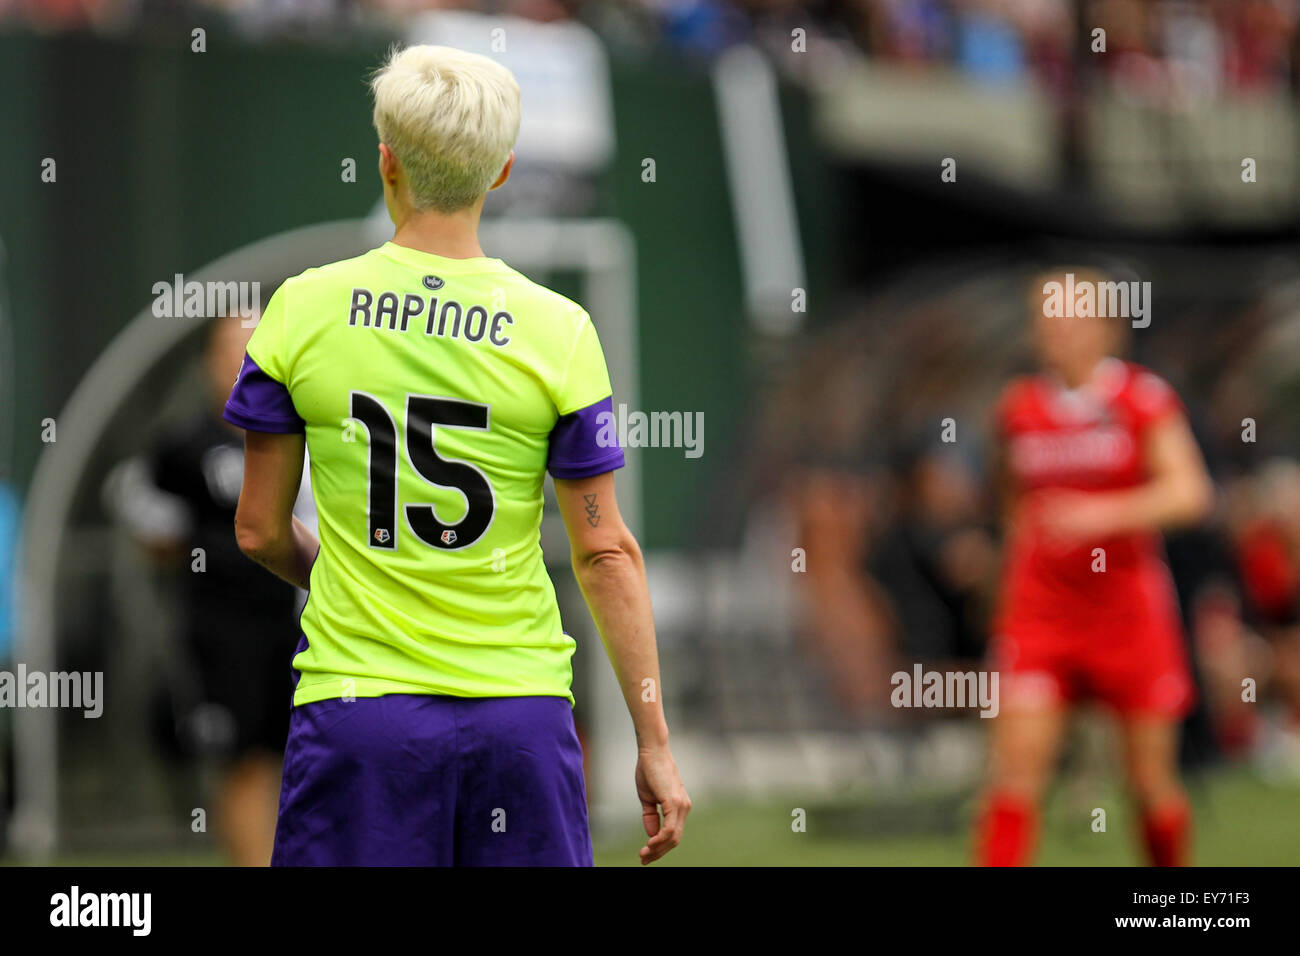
<point>178,501</point>
<point>938,562</point>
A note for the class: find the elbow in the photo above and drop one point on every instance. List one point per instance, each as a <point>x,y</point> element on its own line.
<point>1199,500</point>
<point>619,555</point>
<point>254,540</point>
<point>1207,499</point>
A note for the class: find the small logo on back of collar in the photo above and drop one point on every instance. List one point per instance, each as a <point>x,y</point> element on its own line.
<point>433,282</point>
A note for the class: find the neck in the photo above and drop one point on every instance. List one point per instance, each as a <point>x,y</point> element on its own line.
<point>450,235</point>
<point>1080,373</point>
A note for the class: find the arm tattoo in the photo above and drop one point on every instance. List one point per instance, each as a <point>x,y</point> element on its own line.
<point>593,510</point>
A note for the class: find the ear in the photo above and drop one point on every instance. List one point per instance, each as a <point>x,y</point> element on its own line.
<point>388,165</point>
<point>505,171</point>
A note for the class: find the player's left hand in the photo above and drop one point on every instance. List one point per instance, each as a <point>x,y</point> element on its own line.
<point>660,789</point>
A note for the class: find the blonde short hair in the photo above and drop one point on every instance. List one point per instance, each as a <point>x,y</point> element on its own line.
<point>451,119</point>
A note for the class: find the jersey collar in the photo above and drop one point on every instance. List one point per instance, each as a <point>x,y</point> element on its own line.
<point>443,265</point>
<point>1087,400</point>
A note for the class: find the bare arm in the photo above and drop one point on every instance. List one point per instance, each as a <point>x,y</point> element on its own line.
<point>1179,491</point>
<point>157,520</point>
<point>611,573</point>
<point>265,526</point>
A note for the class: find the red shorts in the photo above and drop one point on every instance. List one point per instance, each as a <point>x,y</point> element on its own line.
<point>1135,670</point>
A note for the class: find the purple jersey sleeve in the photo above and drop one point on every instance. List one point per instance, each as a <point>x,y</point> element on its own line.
<point>258,403</point>
<point>585,443</point>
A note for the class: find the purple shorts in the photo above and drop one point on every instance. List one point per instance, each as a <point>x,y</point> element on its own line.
<point>425,780</point>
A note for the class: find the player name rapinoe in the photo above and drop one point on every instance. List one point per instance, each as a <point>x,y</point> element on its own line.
<point>396,312</point>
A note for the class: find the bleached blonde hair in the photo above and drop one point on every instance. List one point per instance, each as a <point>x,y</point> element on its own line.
<point>451,119</point>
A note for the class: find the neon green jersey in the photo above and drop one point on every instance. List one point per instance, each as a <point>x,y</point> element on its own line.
<point>433,392</point>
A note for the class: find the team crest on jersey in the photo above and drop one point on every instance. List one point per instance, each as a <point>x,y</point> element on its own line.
<point>382,535</point>
<point>432,282</point>
<point>448,537</point>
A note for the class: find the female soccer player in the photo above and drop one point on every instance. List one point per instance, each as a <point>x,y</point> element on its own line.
<point>435,387</point>
<point>1096,459</point>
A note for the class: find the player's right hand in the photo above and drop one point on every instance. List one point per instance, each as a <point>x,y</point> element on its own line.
<point>664,802</point>
<point>1071,519</point>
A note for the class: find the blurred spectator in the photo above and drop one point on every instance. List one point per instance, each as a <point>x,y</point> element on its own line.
<point>703,27</point>
<point>939,561</point>
<point>989,45</point>
<point>240,626</point>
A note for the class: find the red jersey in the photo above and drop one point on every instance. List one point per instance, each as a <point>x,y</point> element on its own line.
<point>1086,439</point>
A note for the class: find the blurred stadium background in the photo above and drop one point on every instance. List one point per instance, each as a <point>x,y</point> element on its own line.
<point>747,195</point>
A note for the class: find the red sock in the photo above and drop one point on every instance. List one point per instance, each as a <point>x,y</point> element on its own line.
<point>1006,831</point>
<point>1167,831</point>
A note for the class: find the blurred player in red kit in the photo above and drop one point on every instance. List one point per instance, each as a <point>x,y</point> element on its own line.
<point>1096,458</point>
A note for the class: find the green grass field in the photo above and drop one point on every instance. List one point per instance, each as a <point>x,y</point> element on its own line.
<point>1240,821</point>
